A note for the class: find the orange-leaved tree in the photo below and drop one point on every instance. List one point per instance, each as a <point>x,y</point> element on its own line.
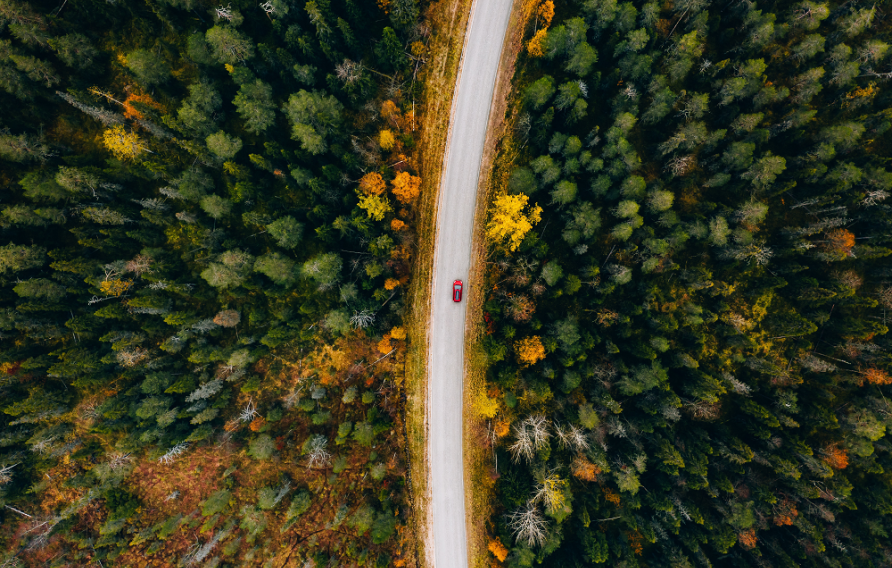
<point>372,184</point>
<point>840,241</point>
<point>406,187</point>
<point>835,457</point>
<point>511,220</point>
<point>877,377</point>
<point>529,350</point>
<point>134,113</point>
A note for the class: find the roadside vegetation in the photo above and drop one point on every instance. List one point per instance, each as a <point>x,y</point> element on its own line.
<point>688,275</point>
<point>207,225</point>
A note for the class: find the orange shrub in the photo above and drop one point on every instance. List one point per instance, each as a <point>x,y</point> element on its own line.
<point>498,549</point>
<point>397,225</point>
<point>257,424</point>
<point>384,346</point>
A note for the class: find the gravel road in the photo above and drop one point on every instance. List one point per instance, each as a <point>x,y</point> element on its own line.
<point>452,260</point>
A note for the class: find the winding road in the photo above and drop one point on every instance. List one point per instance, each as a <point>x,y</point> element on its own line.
<point>452,260</point>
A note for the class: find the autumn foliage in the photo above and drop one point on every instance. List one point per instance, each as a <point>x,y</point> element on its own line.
<point>530,350</point>
<point>498,549</point>
<point>747,539</point>
<point>584,469</point>
<point>877,377</point>
<point>534,47</point>
<point>124,145</point>
<point>511,220</point>
<point>386,139</point>
<point>786,513</point>
<point>115,287</point>
<point>840,241</point>
<point>835,457</point>
<point>372,184</point>
<point>545,13</point>
<point>406,187</point>
<point>132,112</point>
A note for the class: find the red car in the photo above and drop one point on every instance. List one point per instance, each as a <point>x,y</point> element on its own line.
<point>456,291</point>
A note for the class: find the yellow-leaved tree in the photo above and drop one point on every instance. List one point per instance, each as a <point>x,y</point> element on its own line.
<point>123,144</point>
<point>534,48</point>
<point>545,13</point>
<point>372,184</point>
<point>375,206</point>
<point>511,220</point>
<point>386,139</point>
<point>529,350</point>
<point>406,187</point>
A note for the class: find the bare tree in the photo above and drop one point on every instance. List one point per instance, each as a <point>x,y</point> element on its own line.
<point>248,412</point>
<point>362,319</point>
<point>173,453</point>
<point>6,474</point>
<point>873,197</point>
<point>224,13</point>
<point>348,71</point>
<point>317,453</point>
<point>531,435</point>
<point>118,460</point>
<point>528,525</point>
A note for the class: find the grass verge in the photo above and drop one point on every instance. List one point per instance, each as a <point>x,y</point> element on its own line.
<point>480,470</point>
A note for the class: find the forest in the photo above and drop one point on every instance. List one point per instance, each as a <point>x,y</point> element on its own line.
<point>688,274</point>
<point>206,231</point>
